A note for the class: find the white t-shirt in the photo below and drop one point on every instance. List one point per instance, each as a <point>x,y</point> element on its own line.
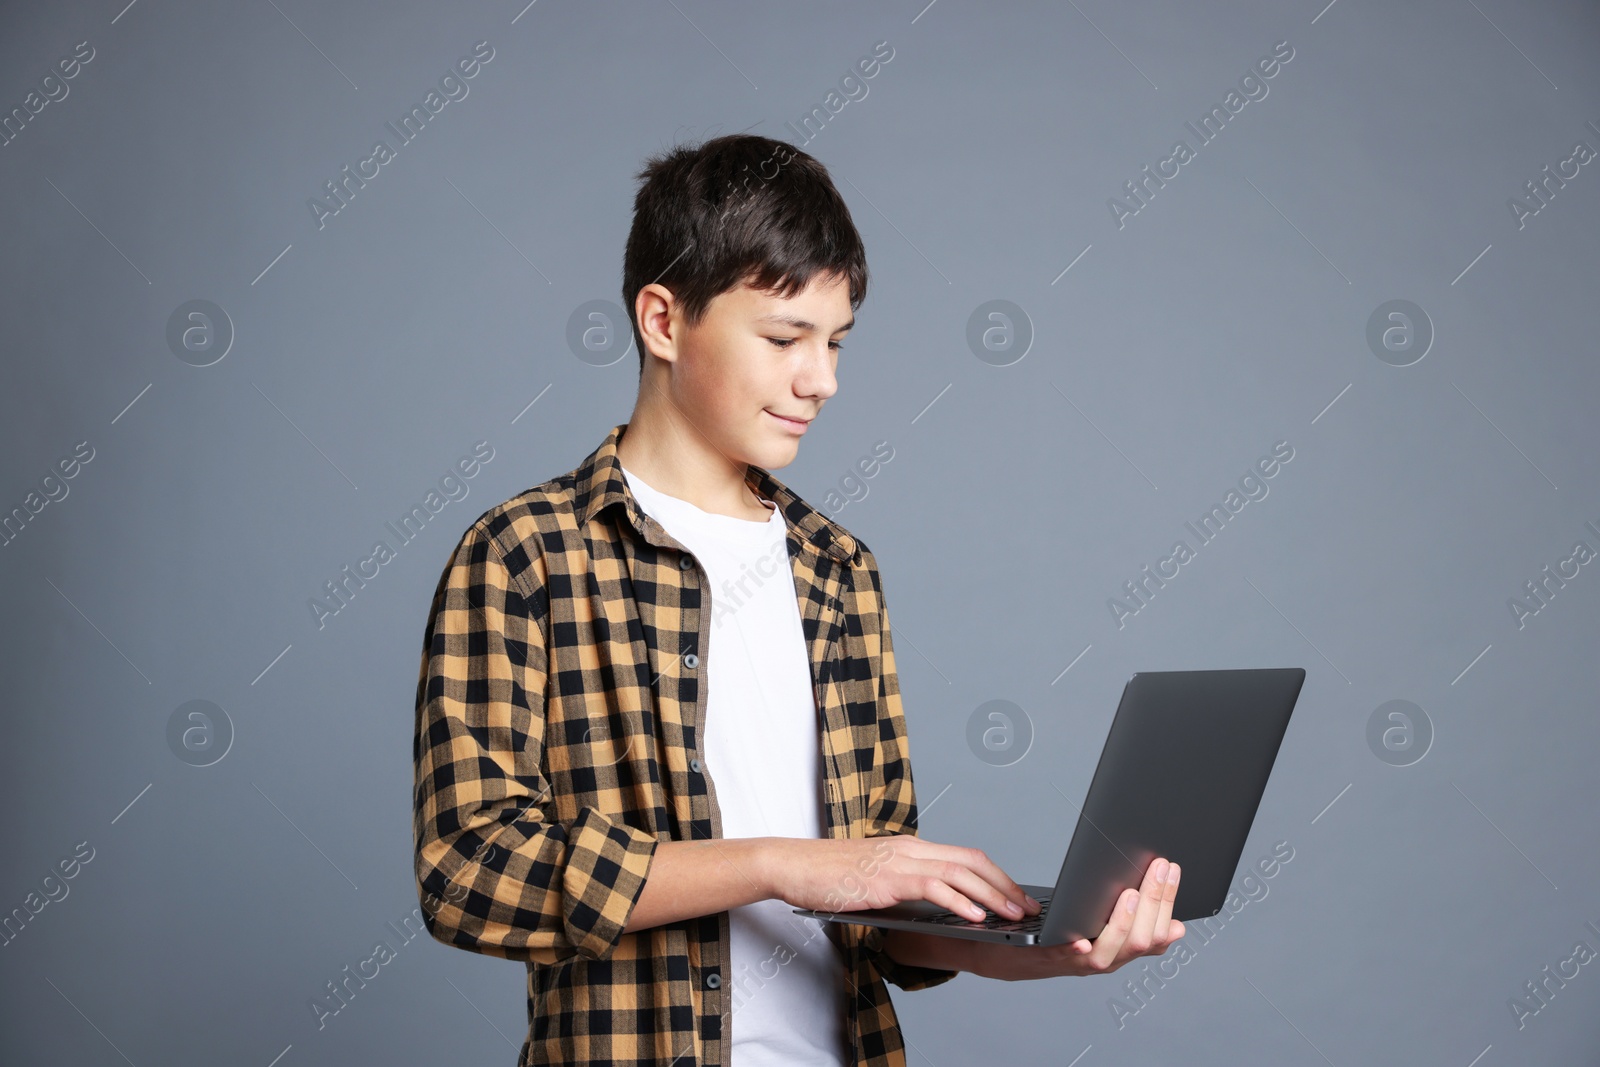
<point>762,750</point>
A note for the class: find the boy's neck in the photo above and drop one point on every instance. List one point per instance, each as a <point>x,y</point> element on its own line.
<point>676,458</point>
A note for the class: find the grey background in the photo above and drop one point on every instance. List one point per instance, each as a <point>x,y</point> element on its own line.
<point>1229,314</point>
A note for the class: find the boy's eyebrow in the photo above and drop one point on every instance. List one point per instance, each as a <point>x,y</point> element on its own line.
<point>801,324</point>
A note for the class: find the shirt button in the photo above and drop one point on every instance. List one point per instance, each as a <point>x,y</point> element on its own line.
<point>691,661</point>
<point>713,981</point>
<point>694,765</point>
<point>685,562</point>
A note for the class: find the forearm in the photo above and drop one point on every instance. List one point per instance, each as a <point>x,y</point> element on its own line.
<point>931,950</point>
<point>690,878</point>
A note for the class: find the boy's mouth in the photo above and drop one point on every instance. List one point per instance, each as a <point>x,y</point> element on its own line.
<point>797,425</point>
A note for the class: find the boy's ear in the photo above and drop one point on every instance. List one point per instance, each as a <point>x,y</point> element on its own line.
<point>659,317</point>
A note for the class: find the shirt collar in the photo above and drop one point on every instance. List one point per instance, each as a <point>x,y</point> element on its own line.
<point>599,484</point>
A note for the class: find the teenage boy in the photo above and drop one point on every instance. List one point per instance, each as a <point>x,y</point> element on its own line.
<point>658,704</point>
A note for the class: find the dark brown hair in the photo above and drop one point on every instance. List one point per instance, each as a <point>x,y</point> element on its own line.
<point>737,209</point>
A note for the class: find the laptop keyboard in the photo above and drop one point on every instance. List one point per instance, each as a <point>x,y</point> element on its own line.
<point>993,920</point>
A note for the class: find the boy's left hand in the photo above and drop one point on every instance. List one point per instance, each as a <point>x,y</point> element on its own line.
<point>1129,934</point>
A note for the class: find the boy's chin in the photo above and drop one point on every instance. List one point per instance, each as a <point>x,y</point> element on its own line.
<point>774,454</point>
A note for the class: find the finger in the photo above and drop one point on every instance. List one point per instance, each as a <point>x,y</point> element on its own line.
<point>1065,952</point>
<point>1108,944</point>
<point>1163,928</point>
<point>950,880</point>
<point>976,888</point>
<point>929,884</point>
<point>1142,932</point>
<point>971,872</point>
<point>998,887</point>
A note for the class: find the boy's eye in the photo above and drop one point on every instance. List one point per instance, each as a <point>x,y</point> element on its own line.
<point>785,342</point>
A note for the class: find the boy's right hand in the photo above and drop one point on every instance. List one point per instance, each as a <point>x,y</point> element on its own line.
<point>877,872</point>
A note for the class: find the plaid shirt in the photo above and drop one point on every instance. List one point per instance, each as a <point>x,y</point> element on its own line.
<point>560,704</point>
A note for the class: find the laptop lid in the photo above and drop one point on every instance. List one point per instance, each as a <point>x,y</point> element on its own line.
<point>1181,775</point>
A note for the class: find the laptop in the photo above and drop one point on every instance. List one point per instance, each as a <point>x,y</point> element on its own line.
<point>1181,775</point>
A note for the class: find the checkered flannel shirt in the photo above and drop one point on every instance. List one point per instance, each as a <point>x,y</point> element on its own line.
<point>559,725</point>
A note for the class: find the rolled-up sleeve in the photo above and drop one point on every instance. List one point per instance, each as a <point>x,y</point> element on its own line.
<point>892,801</point>
<point>495,872</point>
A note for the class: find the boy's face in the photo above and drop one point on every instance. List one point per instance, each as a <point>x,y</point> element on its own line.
<point>755,357</point>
